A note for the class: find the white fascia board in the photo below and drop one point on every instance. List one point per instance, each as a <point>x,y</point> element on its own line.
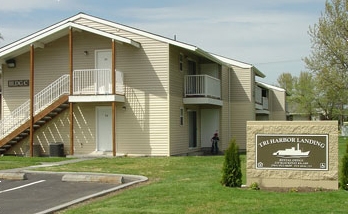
<point>33,40</point>
<point>30,40</point>
<point>105,34</point>
<point>139,32</point>
<point>268,86</point>
<point>32,36</point>
<point>233,62</point>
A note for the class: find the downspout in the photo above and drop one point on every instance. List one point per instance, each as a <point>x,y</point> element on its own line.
<point>71,105</point>
<point>31,82</point>
<point>229,103</point>
<point>113,79</point>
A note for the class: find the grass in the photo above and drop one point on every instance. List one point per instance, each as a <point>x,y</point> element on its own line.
<point>10,162</point>
<point>192,185</point>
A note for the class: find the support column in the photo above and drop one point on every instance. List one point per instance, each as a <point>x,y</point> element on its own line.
<point>113,77</point>
<point>71,105</point>
<point>31,92</point>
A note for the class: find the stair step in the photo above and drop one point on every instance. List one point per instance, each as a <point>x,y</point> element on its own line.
<point>23,134</point>
<point>64,105</point>
<point>2,150</point>
<point>6,146</point>
<point>47,118</point>
<point>13,142</point>
<point>53,113</point>
<point>41,122</point>
<point>58,109</point>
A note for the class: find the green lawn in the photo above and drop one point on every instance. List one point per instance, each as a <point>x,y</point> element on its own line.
<point>192,185</point>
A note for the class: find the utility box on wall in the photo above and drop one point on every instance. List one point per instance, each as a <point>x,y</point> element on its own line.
<point>56,150</point>
<point>293,154</point>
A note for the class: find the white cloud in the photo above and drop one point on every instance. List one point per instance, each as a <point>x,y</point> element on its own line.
<point>257,32</point>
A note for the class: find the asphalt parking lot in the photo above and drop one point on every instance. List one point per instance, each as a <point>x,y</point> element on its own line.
<point>40,192</point>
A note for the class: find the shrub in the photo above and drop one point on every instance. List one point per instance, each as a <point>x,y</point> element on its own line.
<point>231,171</point>
<point>254,186</point>
<point>344,172</point>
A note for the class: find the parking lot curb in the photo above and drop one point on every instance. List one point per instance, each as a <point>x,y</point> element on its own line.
<point>13,176</point>
<point>116,179</point>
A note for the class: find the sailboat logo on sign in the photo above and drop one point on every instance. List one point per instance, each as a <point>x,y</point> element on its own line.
<point>292,153</point>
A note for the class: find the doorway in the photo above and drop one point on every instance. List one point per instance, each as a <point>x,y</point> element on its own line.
<point>103,77</point>
<point>192,123</point>
<point>104,128</point>
<point>210,123</point>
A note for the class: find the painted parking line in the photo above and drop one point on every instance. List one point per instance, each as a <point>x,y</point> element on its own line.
<point>19,187</point>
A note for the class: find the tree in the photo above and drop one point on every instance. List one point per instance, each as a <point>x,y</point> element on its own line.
<point>231,171</point>
<point>304,97</point>
<point>301,92</point>
<point>286,81</point>
<point>344,170</point>
<point>328,60</point>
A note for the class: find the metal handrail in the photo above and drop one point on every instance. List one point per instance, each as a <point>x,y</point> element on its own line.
<point>41,100</point>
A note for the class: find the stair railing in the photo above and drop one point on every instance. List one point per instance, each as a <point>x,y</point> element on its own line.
<point>41,100</point>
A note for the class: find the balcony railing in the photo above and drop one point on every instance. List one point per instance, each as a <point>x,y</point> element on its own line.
<point>202,86</point>
<point>265,103</point>
<point>96,81</point>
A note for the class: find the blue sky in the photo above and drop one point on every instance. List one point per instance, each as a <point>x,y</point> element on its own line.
<point>270,34</point>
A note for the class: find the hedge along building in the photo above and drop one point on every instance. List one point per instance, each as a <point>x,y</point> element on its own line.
<point>164,98</point>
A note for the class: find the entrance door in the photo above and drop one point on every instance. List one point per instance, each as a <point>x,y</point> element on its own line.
<point>192,120</point>
<point>103,59</point>
<point>210,120</point>
<point>103,77</point>
<point>104,129</point>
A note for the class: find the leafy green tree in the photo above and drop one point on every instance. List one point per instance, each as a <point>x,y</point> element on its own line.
<point>328,60</point>
<point>231,171</point>
<point>302,93</point>
<point>344,170</point>
<point>286,81</point>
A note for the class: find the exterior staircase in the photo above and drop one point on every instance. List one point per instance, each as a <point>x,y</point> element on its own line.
<point>49,102</point>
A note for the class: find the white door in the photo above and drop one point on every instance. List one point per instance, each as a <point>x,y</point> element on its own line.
<point>210,120</point>
<point>103,59</point>
<point>104,129</point>
<point>103,78</point>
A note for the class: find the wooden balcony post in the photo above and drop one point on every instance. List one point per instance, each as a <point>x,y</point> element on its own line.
<point>71,105</point>
<point>113,76</point>
<point>31,92</point>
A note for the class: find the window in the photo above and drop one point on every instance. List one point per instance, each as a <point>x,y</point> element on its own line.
<point>181,116</point>
<point>181,58</point>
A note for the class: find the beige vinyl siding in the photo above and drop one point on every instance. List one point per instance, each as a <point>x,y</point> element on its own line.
<point>142,129</point>
<point>85,127</point>
<point>56,131</point>
<point>145,129</point>
<point>242,103</point>
<point>225,131</point>
<point>278,105</point>
<point>12,97</point>
<point>178,133</point>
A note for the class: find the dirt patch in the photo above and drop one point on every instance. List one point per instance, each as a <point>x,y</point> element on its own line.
<point>294,189</point>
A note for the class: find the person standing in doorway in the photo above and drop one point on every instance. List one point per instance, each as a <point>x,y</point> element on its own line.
<point>214,143</point>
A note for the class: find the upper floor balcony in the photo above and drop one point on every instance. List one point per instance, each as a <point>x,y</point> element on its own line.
<point>261,101</point>
<point>202,89</point>
<point>95,85</point>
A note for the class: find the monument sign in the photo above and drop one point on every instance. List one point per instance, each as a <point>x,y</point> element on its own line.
<point>292,152</point>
